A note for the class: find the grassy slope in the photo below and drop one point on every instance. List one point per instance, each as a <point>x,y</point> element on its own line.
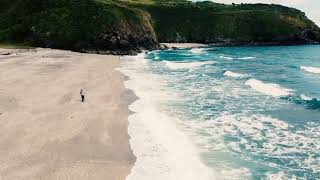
<point>213,22</point>
<point>125,25</point>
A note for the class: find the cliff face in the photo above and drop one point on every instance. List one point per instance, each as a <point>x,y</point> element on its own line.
<point>81,25</point>
<point>127,26</point>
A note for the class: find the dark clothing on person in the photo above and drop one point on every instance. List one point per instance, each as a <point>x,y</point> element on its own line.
<point>82,94</point>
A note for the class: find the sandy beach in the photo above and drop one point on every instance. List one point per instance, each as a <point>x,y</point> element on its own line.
<point>45,130</point>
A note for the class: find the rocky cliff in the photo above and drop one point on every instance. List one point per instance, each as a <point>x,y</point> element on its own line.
<point>236,24</point>
<point>127,26</point>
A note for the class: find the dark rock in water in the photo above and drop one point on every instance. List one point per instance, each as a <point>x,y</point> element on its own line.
<point>174,48</point>
<point>164,47</point>
<point>313,103</point>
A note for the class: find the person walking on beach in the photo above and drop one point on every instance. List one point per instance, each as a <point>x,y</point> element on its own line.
<point>82,94</point>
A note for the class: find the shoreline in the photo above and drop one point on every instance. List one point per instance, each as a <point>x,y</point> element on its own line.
<point>47,133</point>
<point>156,140</point>
<point>162,46</point>
<point>231,44</point>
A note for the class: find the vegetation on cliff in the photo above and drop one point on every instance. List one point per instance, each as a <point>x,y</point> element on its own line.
<point>208,22</point>
<point>77,25</point>
<point>130,25</point>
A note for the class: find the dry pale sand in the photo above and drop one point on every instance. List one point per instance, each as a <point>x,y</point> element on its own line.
<point>184,45</point>
<point>46,132</point>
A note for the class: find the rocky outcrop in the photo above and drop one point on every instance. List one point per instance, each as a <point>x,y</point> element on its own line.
<point>125,38</point>
<point>122,39</point>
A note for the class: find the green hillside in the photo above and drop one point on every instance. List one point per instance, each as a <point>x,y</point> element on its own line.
<point>207,22</point>
<point>77,25</point>
<point>130,25</point>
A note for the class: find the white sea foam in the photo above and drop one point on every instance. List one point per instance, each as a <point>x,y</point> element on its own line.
<point>278,176</point>
<point>276,138</point>
<point>311,69</point>
<point>268,88</point>
<point>162,150</point>
<point>246,58</point>
<point>233,74</point>
<point>197,50</point>
<point>226,57</point>
<point>185,65</point>
<point>240,58</point>
<point>140,56</point>
<point>306,98</point>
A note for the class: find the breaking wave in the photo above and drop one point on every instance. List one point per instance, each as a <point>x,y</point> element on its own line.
<point>233,74</point>
<point>197,50</point>
<point>185,65</point>
<point>311,69</point>
<point>246,58</point>
<point>226,57</point>
<point>268,88</point>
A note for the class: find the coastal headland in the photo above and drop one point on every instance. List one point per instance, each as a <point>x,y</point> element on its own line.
<point>130,26</point>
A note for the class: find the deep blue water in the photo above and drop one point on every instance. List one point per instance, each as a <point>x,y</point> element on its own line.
<point>253,111</point>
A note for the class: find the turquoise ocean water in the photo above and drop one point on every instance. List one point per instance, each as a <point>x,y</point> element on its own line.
<point>226,113</point>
